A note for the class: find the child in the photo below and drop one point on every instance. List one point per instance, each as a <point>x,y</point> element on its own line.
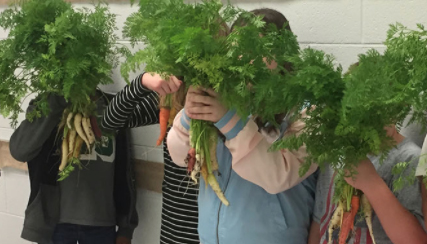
<point>137,105</point>
<point>397,216</point>
<point>88,205</point>
<point>269,202</point>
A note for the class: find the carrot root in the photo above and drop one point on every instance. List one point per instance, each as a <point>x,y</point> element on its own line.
<point>215,186</point>
<point>367,210</point>
<point>78,126</point>
<point>64,158</point>
<point>88,130</point>
<point>78,147</point>
<point>95,127</point>
<point>348,220</point>
<point>335,221</point>
<point>163,121</point>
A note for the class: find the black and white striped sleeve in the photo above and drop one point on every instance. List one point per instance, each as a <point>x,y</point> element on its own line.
<point>133,106</point>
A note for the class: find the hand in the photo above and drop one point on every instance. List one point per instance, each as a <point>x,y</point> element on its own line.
<point>203,104</point>
<point>366,176</point>
<point>122,240</point>
<point>156,83</point>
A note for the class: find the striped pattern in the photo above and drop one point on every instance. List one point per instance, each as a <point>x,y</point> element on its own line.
<point>137,106</point>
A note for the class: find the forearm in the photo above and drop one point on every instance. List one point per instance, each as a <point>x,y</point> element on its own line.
<point>133,106</point>
<point>178,140</point>
<point>314,235</point>
<point>28,139</point>
<point>400,225</point>
<point>273,171</point>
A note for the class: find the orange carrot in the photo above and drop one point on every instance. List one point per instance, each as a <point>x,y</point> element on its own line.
<point>191,160</point>
<point>348,220</point>
<point>163,121</point>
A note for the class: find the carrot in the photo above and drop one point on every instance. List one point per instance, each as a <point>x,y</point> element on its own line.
<point>191,160</point>
<point>63,121</point>
<point>367,210</point>
<point>69,117</point>
<point>72,140</point>
<point>64,158</point>
<point>195,172</point>
<point>79,129</point>
<point>348,220</point>
<point>95,127</point>
<point>78,147</point>
<point>215,186</point>
<point>213,142</point>
<point>204,173</point>
<point>163,121</point>
<point>88,130</point>
<point>335,221</point>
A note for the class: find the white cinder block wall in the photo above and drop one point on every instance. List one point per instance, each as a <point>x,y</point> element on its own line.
<point>343,28</point>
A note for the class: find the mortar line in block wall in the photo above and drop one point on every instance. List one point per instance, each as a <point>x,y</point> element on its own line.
<point>12,215</point>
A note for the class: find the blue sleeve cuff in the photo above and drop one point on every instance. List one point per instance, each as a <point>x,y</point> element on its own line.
<point>225,119</point>
<point>236,129</point>
<point>230,124</point>
<point>185,120</point>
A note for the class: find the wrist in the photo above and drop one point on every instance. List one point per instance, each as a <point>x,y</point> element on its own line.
<point>142,79</point>
<point>230,124</point>
<point>374,186</point>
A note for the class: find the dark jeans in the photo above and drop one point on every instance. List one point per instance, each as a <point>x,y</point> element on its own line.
<point>73,234</point>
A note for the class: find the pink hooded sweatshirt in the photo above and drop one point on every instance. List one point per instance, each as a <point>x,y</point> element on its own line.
<point>275,172</point>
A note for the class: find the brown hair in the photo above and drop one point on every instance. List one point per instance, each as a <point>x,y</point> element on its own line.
<point>270,16</point>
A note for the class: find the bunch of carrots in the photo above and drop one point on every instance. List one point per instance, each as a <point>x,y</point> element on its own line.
<point>201,159</point>
<point>346,211</point>
<point>77,130</point>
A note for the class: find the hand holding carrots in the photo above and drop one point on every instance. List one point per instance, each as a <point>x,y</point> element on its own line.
<point>156,83</point>
<point>366,176</point>
<point>203,104</point>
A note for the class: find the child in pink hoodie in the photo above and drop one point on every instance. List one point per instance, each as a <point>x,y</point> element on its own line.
<point>269,201</point>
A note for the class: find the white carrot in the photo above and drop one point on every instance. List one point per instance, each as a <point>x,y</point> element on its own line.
<point>335,221</point>
<point>77,147</point>
<point>215,186</point>
<point>64,158</point>
<point>88,130</point>
<point>367,210</point>
<point>70,116</point>
<point>79,129</point>
<point>195,171</point>
<point>71,140</point>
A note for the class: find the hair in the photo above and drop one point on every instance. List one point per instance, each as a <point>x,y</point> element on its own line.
<point>270,16</point>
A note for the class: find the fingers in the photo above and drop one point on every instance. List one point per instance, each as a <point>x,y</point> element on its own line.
<point>174,83</point>
<point>166,87</point>
<point>206,100</point>
<point>199,110</point>
<point>161,91</point>
<point>211,92</point>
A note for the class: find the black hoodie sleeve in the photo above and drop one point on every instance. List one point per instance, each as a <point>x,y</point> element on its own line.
<point>124,186</point>
<point>27,141</point>
<point>133,106</point>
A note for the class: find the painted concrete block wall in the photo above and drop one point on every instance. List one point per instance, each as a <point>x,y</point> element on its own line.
<point>343,28</point>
